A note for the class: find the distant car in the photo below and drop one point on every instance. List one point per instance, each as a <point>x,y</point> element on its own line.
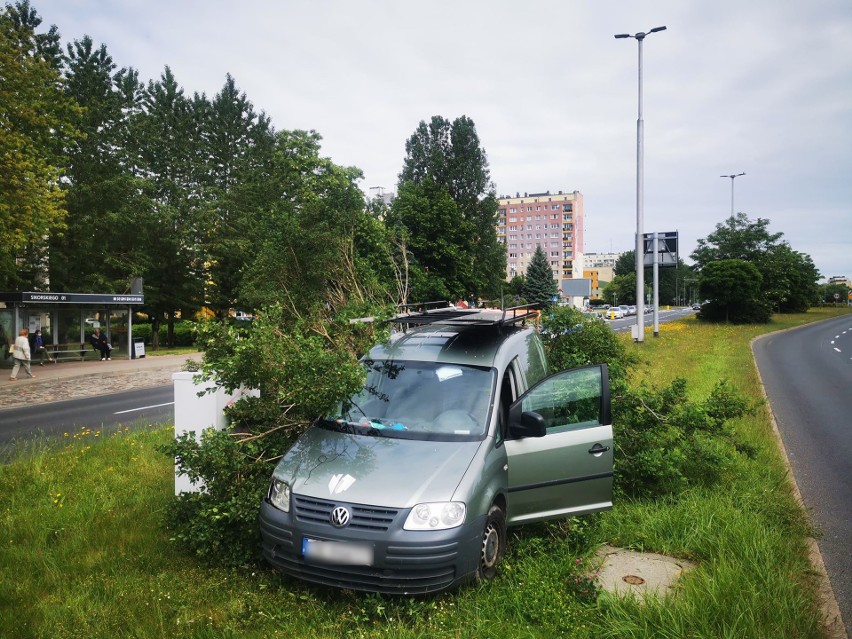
<point>696,307</point>
<point>243,316</point>
<point>649,308</point>
<point>614,313</point>
<point>631,310</point>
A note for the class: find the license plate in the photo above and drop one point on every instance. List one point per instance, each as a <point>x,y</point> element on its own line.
<point>344,553</point>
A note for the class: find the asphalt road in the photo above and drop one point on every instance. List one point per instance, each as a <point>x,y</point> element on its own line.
<point>807,373</point>
<point>664,316</point>
<point>55,418</point>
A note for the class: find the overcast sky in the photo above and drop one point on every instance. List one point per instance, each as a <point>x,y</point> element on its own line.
<point>760,86</point>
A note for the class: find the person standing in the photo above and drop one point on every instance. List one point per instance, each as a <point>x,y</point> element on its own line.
<point>21,355</point>
<point>100,343</point>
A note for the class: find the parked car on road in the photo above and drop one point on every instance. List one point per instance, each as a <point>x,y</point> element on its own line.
<point>614,313</point>
<point>408,486</point>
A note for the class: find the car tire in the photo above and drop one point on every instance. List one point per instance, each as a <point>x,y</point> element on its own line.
<point>493,544</point>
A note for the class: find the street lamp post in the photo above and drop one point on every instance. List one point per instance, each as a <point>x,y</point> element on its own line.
<point>733,177</point>
<point>640,194</point>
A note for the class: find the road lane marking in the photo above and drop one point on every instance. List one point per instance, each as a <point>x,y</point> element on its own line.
<point>832,341</point>
<point>835,348</point>
<point>133,410</point>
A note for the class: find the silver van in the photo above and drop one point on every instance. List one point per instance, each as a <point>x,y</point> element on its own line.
<point>408,486</point>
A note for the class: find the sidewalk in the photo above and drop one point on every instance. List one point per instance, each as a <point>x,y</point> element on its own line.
<point>75,380</point>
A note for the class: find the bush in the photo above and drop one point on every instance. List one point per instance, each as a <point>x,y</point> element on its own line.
<point>573,339</point>
<point>220,522</point>
<point>184,333</point>
<point>665,443</point>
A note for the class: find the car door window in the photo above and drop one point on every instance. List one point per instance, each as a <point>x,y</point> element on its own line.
<point>570,400</point>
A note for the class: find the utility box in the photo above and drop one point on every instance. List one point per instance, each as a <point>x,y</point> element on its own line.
<point>195,414</point>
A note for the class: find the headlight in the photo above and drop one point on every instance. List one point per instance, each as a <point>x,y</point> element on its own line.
<point>279,495</point>
<point>436,516</point>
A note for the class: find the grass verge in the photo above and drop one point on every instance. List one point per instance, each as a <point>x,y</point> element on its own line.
<point>83,552</point>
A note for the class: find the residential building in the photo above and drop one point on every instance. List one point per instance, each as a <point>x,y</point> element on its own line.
<point>597,260</point>
<point>553,221</point>
<point>600,276</point>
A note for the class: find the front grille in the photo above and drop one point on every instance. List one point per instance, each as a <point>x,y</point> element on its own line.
<point>411,581</point>
<point>318,511</point>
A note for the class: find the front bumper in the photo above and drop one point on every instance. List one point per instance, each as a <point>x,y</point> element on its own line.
<point>404,561</point>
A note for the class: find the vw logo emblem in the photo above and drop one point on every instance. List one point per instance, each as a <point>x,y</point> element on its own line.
<point>339,517</point>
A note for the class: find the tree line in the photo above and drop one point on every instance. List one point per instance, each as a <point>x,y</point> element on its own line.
<point>106,176</point>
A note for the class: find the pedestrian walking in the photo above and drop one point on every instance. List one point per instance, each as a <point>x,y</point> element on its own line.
<point>21,355</point>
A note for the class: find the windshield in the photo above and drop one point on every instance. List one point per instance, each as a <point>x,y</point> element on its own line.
<point>418,400</point>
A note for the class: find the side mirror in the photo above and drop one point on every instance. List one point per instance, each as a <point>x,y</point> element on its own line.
<point>525,424</point>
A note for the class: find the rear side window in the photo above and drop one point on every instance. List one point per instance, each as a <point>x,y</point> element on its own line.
<point>531,361</point>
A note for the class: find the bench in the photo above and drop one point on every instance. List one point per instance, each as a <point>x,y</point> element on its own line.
<point>75,351</point>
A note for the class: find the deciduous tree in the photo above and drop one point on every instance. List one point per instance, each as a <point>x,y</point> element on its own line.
<point>448,204</point>
<point>36,120</point>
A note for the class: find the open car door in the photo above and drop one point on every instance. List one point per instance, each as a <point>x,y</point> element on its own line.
<point>559,447</point>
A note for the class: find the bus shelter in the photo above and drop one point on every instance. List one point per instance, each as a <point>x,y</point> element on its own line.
<point>67,320</point>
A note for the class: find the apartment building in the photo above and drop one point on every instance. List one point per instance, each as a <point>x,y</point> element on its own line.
<point>553,221</point>
<point>600,260</point>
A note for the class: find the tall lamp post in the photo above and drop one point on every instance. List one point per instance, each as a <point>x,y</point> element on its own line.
<point>640,194</point>
<point>733,177</point>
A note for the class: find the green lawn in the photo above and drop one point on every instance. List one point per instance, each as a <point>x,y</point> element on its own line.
<point>83,552</point>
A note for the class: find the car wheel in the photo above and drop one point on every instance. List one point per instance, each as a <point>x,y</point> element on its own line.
<point>493,543</point>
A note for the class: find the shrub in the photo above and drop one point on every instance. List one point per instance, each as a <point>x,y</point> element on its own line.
<point>573,339</point>
<point>665,443</point>
<point>184,333</point>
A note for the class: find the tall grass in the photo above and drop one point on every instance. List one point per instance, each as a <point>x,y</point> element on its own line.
<point>83,552</point>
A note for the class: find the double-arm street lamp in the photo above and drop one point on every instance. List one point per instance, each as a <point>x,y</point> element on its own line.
<point>733,177</point>
<point>640,195</point>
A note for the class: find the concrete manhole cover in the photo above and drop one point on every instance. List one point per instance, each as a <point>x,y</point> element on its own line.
<point>625,571</point>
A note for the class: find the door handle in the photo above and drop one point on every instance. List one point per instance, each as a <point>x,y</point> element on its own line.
<point>597,449</point>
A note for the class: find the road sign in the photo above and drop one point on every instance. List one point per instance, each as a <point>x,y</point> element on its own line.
<point>667,245</point>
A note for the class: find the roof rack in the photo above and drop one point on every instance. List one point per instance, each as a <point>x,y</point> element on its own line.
<point>446,313</point>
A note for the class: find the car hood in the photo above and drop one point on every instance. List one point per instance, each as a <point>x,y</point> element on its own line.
<point>380,471</point>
